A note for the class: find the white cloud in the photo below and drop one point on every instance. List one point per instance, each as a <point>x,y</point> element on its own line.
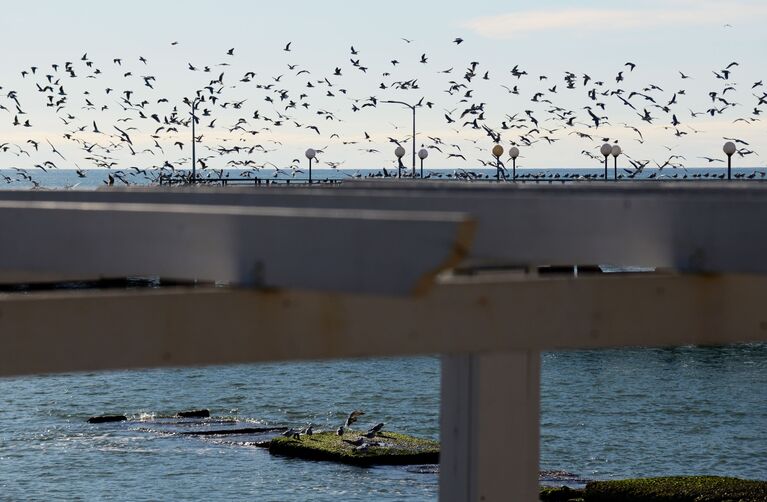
<point>682,13</point>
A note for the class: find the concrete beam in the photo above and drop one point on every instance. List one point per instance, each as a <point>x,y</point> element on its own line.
<point>364,251</point>
<point>84,331</point>
<point>695,227</point>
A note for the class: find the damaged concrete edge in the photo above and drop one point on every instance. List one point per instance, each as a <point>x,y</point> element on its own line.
<point>458,252</point>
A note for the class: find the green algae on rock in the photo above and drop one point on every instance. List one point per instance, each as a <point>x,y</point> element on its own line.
<point>677,489</point>
<point>387,448</point>
<point>561,494</point>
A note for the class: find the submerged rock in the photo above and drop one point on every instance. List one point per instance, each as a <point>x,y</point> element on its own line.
<point>101,419</point>
<point>205,413</point>
<point>242,430</point>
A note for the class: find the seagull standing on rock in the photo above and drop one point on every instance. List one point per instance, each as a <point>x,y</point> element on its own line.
<point>355,442</point>
<point>292,433</point>
<point>371,433</point>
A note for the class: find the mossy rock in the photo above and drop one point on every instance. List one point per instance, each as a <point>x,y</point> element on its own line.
<point>561,494</point>
<point>393,449</point>
<point>677,489</point>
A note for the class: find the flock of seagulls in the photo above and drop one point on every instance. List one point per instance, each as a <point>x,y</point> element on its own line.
<point>361,443</point>
<point>111,114</point>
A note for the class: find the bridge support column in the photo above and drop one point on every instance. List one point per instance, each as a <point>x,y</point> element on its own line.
<point>490,427</point>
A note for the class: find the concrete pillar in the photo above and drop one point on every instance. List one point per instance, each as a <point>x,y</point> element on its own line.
<point>490,427</point>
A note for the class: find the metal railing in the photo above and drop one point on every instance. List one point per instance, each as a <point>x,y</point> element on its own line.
<point>173,180</point>
<point>527,178</point>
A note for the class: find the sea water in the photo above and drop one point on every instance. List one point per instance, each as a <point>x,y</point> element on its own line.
<point>605,414</point>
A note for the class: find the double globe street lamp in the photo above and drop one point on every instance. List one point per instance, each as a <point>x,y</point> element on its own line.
<point>399,152</point>
<point>607,149</point>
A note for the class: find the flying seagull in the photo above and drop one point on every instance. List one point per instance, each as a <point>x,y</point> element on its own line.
<point>353,417</point>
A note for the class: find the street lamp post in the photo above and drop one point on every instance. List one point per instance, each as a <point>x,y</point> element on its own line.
<point>616,151</point>
<point>310,154</point>
<point>606,150</point>
<point>514,153</point>
<point>399,152</point>
<point>729,149</point>
<point>497,152</point>
<point>412,107</point>
<point>194,104</point>
<point>422,154</point>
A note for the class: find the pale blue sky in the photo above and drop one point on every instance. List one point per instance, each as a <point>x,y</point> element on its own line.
<point>543,38</point>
